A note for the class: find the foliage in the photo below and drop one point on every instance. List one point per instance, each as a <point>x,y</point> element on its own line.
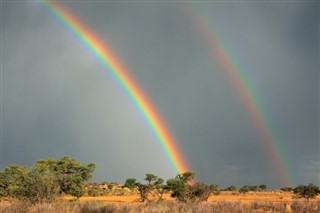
<point>151,178</point>
<point>154,189</point>
<point>253,188</point>
<point>143,190</point>
<point>287,189</point>
<point>179,188</point>
<point>215,189</point>
<point>130,183</point>
<point>159,188</point>
<point>263,187</point>
<point>13,181</point>
<point>244,189</point>
<point>47,179</point>
<point>231,188</point>
<point>199,192</point>
<point>72,174</point>
<point>309,191</point>
<point>42,186</point>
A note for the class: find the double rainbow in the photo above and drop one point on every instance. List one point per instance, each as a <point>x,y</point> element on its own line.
<point>226,58</point>
<point>113,65</point>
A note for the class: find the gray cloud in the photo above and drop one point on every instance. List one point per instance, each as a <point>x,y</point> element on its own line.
<point>59,101</point>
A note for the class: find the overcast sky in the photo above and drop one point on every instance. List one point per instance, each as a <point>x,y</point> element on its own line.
<point>57,99</point>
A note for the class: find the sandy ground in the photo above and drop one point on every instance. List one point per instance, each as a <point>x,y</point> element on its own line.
<point>224,196</point>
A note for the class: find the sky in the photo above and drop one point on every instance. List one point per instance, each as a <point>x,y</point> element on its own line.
<point>57,99</point>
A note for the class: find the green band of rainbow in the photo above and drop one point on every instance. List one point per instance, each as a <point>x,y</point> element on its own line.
<point>244,89</point>
<point>111,64</point>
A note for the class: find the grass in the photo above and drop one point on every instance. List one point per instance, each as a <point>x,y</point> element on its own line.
<point>226,202</point>
<point>161,207</point>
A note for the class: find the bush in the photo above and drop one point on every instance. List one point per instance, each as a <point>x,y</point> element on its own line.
<point>286,189</point>
<point>244,189</point>
<point>199,192</point>
<point>309,191</point>
<point>231,188</point>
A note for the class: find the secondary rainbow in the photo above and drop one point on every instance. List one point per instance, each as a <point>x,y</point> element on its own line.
<point>113,65</point>
<point>243,87</point>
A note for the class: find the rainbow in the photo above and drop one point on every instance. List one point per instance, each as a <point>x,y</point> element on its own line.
<point>243,87</point>
<point>113,66</point>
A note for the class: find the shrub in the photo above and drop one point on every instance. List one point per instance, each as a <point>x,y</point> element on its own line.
<point>309,191</point>
<point>231,188</point>
<point>244,189</point>
<point>286,189</point>
<point>199,192</point>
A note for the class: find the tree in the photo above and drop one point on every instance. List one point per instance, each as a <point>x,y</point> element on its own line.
<point>154,189</point>
<point>263,187</point>
<point>199,192</point>
<point>72,174</point>
<point>159,188</point>
<point>179,189</point>
<point>231,188</point>
<point>151,178</point>
<point>42,186</point>
<point>47,179</point>
<point>215,189</point>
<point>180,186</point>
<point>253,188</point>
<point>244,189</point>
<point>130,183</point>
<point>186,176</point>
<point>13,181</point>
<point>309,191</point>
<point>286,189</point>
<point>143,190</point>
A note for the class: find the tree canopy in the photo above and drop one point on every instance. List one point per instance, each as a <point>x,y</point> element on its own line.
<point>46,180</point>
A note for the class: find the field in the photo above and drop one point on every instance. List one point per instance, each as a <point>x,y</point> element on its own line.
<point>268,201</point>
<point>268,196</point>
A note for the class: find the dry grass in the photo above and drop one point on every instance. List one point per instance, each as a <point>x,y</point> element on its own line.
<point>226,202</point>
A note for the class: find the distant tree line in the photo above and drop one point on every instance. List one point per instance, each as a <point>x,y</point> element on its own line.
<point>48,179</point>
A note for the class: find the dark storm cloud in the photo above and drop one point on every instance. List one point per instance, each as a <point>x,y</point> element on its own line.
<point>59,101</point>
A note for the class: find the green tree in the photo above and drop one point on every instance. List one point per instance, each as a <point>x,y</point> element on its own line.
<point>253,188</point>
<point>151,178</point>
<point>72,175</point>
<point>231,188</point>
<point>143,190</point>
<point>186,176</point>
<point>179,189</point>
<point>180,186</point>
<point>130,183</point>
<point>309,191</point>
<point>13,181</point>
<point>154,189</point>
<point>287,189</point>
<point>47,179</point>
<point>159,188</point>
<point>42,186</point>
<point>244,189</point>
<point>263,187</point>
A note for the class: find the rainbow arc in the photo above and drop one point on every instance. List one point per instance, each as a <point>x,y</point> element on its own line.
<point>113,65</point>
